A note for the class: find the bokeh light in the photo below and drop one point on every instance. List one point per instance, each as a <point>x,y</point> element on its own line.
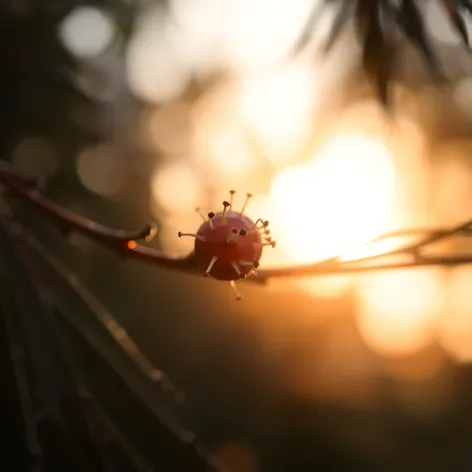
<point>222,149</point>
<point>279,107</point>
<point>337,201</point>
<point>101,170</point>
<point>154,72</point>
<point>34,157</point>
<point>238,34</point>
<point>398,311</point>
<point>326,286</point>
<point>167,129</point>
<point>87,31</point>
<point>455,334</point>
<point>175,188</point>
<point>452,182</point>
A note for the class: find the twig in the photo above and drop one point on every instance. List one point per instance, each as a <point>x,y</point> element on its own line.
<point>424,237</point>
<point>125,242</point>
<point>105,426</point>
<point>108,321</point>
<point>24,390</point>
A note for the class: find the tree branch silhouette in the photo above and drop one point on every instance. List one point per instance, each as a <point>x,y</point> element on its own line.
<point>381,253</point>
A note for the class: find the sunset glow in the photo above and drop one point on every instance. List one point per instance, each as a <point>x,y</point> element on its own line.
<point>338,200</point>
<point>398,311</point>
<point>327,186</point>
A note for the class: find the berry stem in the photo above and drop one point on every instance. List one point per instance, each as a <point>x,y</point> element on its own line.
<point>119,240</point>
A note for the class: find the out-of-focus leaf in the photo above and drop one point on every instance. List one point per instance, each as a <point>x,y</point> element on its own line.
<point>340,21</point>
<point>377,21</point>
<point>412,24</point>
<point>458,22</point>
<point>377,45</point>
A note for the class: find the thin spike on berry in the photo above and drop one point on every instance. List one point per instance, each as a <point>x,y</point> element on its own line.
<point>248,197</point>
<point>210,266</point>
<point>211,215</point>
<point>223,216</point>
<point>199,211</point>
<point>192,235</point>
<point>232,237</point>
<point>235,266</point>
<point>229,245</point>
<point>235,290</point>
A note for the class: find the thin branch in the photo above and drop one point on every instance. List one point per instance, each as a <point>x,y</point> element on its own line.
<point>105,425</point>
<point>341,264</point>
<point>108,321</point>
<point>125,242</point>
<point>24,389</point>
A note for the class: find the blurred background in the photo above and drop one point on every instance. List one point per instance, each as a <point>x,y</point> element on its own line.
<point>170,105</point>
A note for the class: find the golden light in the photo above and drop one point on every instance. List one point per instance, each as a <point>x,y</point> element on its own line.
<point>455,334</point>
<point>279,107</point>
<point>175,188</point>
<point>398,311</point>
<point>259,207</point>
<point>325,286</point>
<point>154,71</point>
<point>167,128</point>
<point>252,34</point>
<point>452,182</point>
<point>340,199</point>
<point>235,35</point>
<point>377,248</point>
<point>221,148</point>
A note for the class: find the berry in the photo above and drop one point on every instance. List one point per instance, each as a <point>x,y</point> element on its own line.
<point>228,245</point>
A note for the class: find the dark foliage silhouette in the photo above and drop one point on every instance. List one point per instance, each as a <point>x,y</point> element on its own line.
<point>380,25</point>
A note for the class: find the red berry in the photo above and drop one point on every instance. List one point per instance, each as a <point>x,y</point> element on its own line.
<point>228,245</point>
<point>234,243</point>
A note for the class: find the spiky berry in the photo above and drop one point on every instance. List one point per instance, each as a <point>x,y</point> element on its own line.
<point>228,245</point>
